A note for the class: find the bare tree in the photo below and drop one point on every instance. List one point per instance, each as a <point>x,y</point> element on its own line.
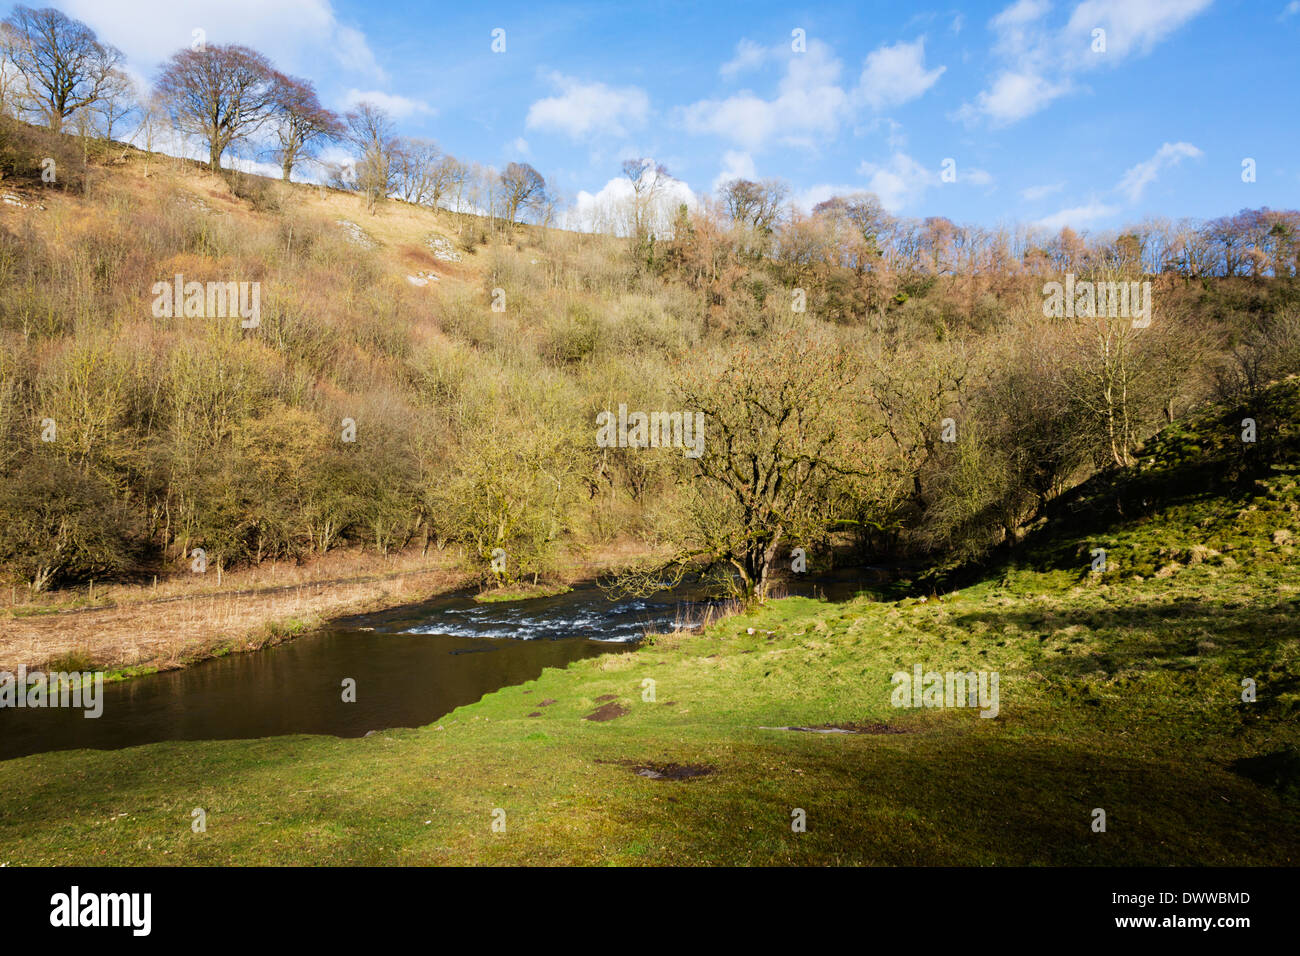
<point>457,179</point>
<point>755,208</point>
<point>63,66</point>
<point>300,123</point>
<point>419,172</point>
<point>649,179</point>
<point>13,88</point>
<point>152,114</point>
<point>864,223</point>
<point>220,93</point>
<point>779,441</point>
<point>522,188</point>
<point>371,131</point>
<point>117,102</point>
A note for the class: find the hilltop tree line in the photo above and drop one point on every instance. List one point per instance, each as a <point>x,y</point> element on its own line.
<point>54,70</point>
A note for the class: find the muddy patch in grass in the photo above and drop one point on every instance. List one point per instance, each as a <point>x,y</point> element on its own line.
<point>673,771</point>
<point>606,697</point>
<point>665,771</point>
<point>845,729</point>
<point>606,712</point>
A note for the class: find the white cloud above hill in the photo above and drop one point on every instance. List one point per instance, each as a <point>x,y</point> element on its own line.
<point>300,36</point>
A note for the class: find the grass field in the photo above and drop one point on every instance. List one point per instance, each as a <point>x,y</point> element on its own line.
<point>1119,691</point>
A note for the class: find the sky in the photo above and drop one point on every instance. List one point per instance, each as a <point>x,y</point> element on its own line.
<point>990,113</point>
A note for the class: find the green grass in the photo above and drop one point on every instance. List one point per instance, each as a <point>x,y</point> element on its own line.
<point>1121,701</point>
<point>1120,691</point>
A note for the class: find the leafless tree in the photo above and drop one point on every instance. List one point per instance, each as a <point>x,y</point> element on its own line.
<point>522,187</point>
<point>649,179</point>
<point>62,64</point>
<point>371,131</point>
<point>221,93</point>
<point>117,102</point>
<point>300,123</point>
<point>419,171</point>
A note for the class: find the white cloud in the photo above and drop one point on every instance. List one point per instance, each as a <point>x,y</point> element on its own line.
<point>1077,216</point>
<point>806,199</point>
<point>297,35</point>
<point>735,165</point>
<point>1017,27</point>
<point>1039,62</point>
<point>1035,193</point>
<point>1136,179</point>
<point>1291,10</point>
<point>896,74</point>
<point>584,109</point>
<point>519,146</point>
<point>610,209</point>
<point>395,105</point>
<point>1131,26</point>
<point>1012,97</point>
<point>1131,186</point>
<point>810,104</point>
<point>748,56</point>
<point>898,182</point>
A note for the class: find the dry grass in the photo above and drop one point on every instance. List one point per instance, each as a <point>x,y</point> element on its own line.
<point>190,618</point>
<point>171,633</point>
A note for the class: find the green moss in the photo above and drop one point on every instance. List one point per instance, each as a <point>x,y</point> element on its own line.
<point>523,593</point>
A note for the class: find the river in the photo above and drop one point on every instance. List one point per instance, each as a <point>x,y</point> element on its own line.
<point>411,665</point>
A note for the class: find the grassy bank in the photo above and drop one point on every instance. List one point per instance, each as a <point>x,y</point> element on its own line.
<point>1119,691</point>
<point>1101,706</point>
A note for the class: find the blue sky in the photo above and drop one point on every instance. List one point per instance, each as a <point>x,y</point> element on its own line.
<point>1040,126</point>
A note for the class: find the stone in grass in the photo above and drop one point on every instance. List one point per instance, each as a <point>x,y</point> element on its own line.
<point>356,235</point>
<point>442,248</point>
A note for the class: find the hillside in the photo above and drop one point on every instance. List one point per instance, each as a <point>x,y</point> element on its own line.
<point>421,388</point>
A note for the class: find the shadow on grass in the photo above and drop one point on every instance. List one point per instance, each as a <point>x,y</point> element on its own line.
<point>978,799</point>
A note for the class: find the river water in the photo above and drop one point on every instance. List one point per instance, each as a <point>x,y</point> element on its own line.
<point>411,665</point>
